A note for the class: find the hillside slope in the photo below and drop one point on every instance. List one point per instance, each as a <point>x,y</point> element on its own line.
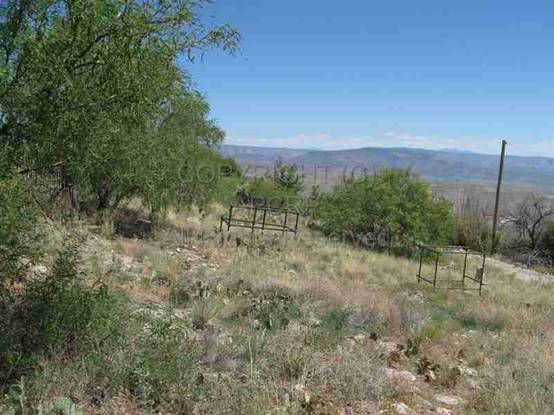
<point>251,325</point>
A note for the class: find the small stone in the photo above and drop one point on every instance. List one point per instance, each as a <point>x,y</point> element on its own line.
<point>468,371</point>
<point>126,261</point>
<point>443,411</point>
<point>314,322</point>
<point>394,359</point>
<point>473,384</point>
<point>400,375</point>
<point>302,395</point>
<point>307,398</point>
<point>40,269</point>
<point>387,347</point>
<point>449,400</point>
<point>359,337</point>
<point>400,408</point>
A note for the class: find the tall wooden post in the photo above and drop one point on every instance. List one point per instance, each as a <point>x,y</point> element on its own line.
<point>496,205</point>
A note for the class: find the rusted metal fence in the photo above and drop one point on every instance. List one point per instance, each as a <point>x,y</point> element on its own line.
<point>264,218</point>
<point>433,277</point>
<point>52,189</point>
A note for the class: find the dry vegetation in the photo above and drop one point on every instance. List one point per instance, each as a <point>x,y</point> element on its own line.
<point>237,324</point>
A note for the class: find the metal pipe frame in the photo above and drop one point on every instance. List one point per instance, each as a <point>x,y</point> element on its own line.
<point>451,284</point>
<point>263,224</point>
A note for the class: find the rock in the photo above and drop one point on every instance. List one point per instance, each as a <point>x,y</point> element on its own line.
<point>423,405</point>
<point>39,269</point>
<point>126,261</point>
<point>302,395</point>
<point>391,352</point>
<point>400,375</point>
<point>386,348</point>
<point>472,383</point>
<point>467,371</point>
<point>314,322</point>
<point>449,400</point>
<point>401,408</point>
<point>359,337</point>
<point>395,359</point>
<point>427,368</point>
<point>224,338</point>
<point>443,411</point>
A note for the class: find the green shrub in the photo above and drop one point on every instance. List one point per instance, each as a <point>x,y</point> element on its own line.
<point>18,229</point>
<point>280,188</point>
<point>287,176</point>
<point>203,311</point>
<point>331,330</point>
<point>471,231</point>
<point>51,316</point>
<point>163,362</point>
<point>263,191</point>
<point>180,292</point>
<point>275,315</point>
<point>391,202</point>
<point>474,321</point>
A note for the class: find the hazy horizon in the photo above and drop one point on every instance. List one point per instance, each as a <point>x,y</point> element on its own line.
<point>446,150</point>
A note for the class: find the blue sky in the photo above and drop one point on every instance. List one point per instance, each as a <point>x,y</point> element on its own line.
<point>354,73</point>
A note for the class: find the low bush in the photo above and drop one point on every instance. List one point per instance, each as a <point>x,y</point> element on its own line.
<point>390,204</point>
<point>18,230</point>
<point>161,364</point>
<point>51,316</point>
<point>265,192</point>
<point>331,330</point>
<point>471,231</point>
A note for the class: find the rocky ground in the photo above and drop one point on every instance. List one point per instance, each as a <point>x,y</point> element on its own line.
<point>309,326</point>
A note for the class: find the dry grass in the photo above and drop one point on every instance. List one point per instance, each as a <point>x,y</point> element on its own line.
<point>290,326</point>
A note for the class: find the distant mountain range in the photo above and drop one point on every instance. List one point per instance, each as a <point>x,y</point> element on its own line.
<point>440,166</point>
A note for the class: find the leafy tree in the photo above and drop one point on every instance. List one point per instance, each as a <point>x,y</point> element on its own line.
<point>261,191</point>
<point>389,202</point>
<point>287,176</point>
<point>96,86</point>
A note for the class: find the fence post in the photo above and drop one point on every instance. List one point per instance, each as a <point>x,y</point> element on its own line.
<point>464,271</point>
<point>436,270</point>
<point>263,221</point>
<point>254,221</point>
<point>230,218</point>
<point>482,273</point>
<point>420,264</point>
